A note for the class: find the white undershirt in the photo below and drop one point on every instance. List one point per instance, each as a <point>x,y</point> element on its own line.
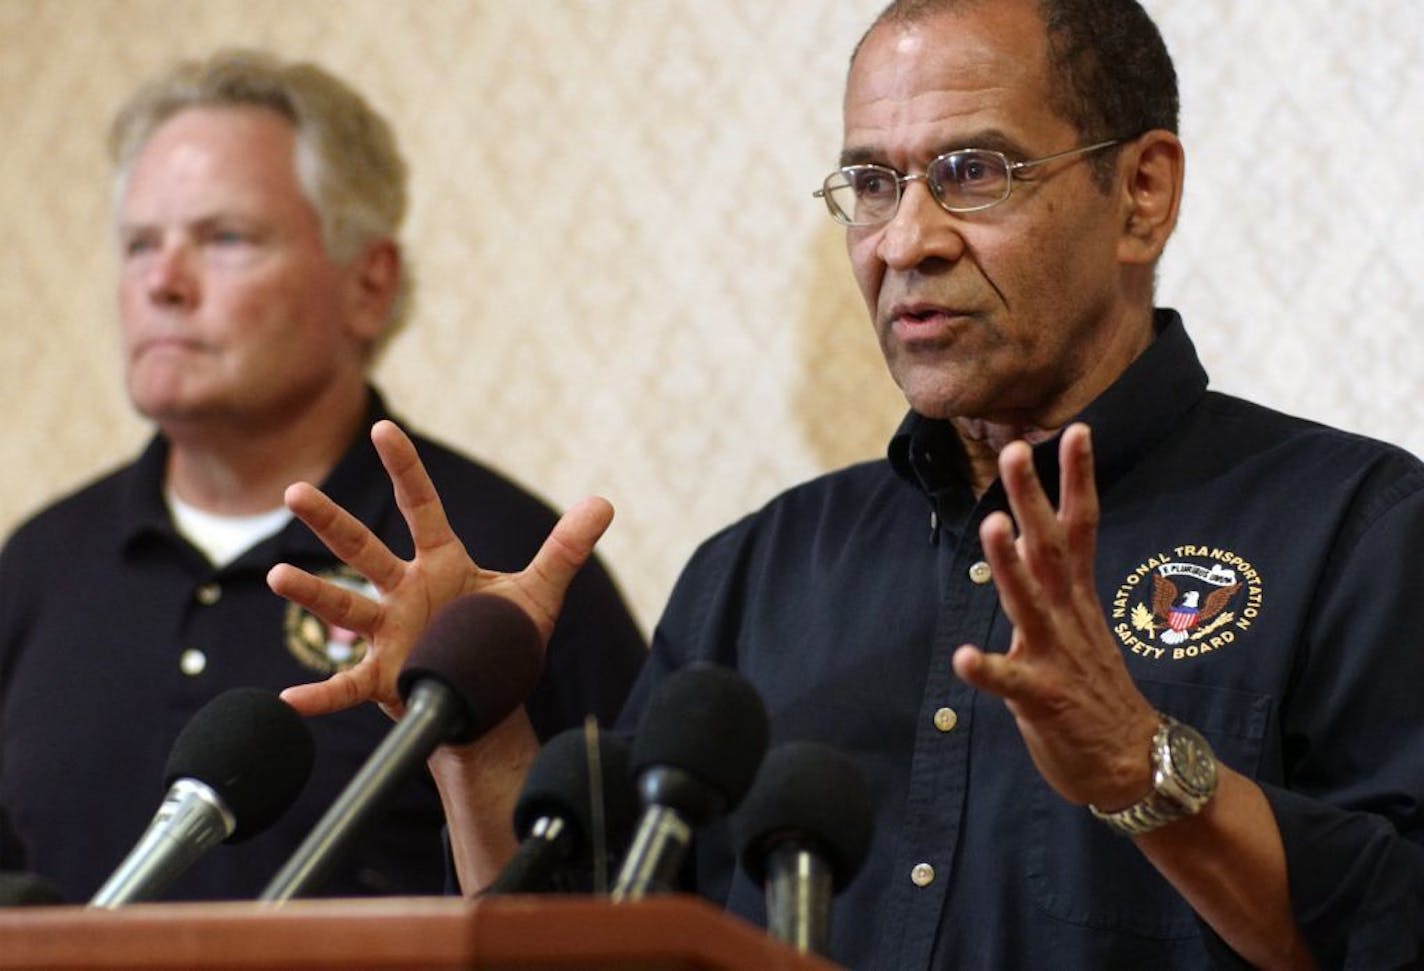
<point>223,539</point>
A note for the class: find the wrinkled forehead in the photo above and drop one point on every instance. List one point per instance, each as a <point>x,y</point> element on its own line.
<point>976,68</point>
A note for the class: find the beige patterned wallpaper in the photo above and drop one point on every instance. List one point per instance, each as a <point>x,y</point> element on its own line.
<point>600,310</point>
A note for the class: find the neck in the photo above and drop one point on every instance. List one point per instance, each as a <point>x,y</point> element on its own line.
<point>238,468</point>
<point>985,438</point>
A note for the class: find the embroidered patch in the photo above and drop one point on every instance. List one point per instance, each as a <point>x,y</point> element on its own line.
<point>1186,602</point>
<point>317,644</point>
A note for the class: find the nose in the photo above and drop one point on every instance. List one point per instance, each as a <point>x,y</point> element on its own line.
<point>169,277</point>
<point>920,232</point>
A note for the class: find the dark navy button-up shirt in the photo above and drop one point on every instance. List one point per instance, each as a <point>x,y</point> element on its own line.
<point>1258,573</point>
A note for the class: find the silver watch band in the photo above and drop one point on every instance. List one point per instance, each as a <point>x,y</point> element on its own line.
<point>1173,796</point>
<point>1148,813</point>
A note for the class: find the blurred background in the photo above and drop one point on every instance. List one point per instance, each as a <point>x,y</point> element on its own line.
<point>625,286</point>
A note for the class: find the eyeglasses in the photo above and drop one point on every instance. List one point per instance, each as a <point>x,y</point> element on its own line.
<point>964,180</point>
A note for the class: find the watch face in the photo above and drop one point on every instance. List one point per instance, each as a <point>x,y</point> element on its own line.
<point>1192,760</point>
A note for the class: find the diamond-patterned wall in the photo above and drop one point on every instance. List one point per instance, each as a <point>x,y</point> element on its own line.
<point>625,286</point>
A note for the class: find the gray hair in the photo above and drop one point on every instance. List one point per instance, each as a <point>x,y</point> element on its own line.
<point>347,161</point>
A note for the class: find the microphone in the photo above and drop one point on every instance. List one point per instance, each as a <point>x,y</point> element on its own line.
<point>578,802</point>
<point>804,831</point>
<point>474,664</point>
<point>696,751</point>
<point>234,768</point>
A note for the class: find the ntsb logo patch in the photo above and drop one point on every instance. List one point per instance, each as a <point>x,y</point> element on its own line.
<point>1185,603</point>
<point>317,644</point>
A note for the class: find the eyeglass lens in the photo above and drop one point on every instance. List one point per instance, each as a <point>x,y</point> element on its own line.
<point>968,180</point>
<point>869,194</point>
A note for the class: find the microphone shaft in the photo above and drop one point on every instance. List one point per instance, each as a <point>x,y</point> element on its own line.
<point>414,737</point>
<point>535,861</point>
<point>798,899</point>
<point>191,821</point>
<point>655,856</point>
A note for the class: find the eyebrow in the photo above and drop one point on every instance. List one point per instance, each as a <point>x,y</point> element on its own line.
<point>205,222</point>
<point>994,139</point>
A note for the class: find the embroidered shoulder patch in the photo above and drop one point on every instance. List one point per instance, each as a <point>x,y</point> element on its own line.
<point>317,644</point>
<point>1186,602</point>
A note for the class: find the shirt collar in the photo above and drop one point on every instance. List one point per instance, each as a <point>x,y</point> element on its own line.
<point>1138,410</point>
<point>143,512</point>
<point>145,515</point>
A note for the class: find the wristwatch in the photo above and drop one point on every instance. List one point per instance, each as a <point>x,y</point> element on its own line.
<point>1183,779</point>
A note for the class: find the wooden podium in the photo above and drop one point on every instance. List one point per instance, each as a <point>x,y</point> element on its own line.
<point>392,934</point>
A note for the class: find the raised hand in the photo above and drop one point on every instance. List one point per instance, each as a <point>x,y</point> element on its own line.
<point>412,590</point>
<point>1086,725</point>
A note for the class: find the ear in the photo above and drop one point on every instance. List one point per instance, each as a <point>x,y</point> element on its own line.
<point>373,283</point>
<point>1152,195</point>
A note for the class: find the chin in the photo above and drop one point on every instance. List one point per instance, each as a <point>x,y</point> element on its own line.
<point>932,400</point>
<point>160,408</point>
<point>935,410</point>
<point>148,405</point>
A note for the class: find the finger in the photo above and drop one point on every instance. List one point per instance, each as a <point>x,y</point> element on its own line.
<point>995,673</point>
<point>332,603</point>
<point>1040,535</point>
<point>345,535</point>
<point>337,693</point>
<point>416,497</point>
<point>1020,594</point>
<point>1078,509</point>
<point>567,548</point>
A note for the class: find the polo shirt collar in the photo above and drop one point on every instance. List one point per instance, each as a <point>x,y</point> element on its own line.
<point>144,513</point>
<point>142,510</point>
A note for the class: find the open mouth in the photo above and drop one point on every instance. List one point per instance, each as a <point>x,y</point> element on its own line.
<point>922,317</point>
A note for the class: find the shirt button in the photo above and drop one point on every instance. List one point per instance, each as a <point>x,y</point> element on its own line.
<point>209,594</point>
<point>980,573</point>
<point>922,875</point>
<point>945,719</point>
<point>192,662</point>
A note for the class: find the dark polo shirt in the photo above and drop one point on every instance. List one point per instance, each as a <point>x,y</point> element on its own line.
<point>114,631</point>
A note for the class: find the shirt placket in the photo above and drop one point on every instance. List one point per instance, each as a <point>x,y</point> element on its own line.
<point>939,773</point>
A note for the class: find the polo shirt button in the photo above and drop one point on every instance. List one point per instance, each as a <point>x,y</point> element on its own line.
<point>980,573</point>
<point>209,594</point>
<point>922,875</point>
<point>192,662</point>
<point>945,719</point>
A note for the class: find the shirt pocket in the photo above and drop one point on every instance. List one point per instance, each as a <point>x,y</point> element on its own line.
<point>1081,872</point>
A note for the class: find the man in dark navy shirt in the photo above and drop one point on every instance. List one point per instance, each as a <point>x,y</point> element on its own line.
<point>257,214</point>
<point>1131,667</point>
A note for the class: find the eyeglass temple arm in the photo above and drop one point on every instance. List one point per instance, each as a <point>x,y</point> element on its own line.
<point>1081,150</point>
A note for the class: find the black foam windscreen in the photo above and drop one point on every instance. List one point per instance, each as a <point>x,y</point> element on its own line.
<point>252,749</point>
<point>707,721</point>
<point>808,792</point>
<point>561,784</point>
<point>487,651</point>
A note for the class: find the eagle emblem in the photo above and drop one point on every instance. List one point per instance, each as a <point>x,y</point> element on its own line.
<point>322,647</point>
<point>1179,613</point>
<point>1186,601</point>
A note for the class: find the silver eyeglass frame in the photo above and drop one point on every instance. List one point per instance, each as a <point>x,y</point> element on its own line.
<point>1010,168</point>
